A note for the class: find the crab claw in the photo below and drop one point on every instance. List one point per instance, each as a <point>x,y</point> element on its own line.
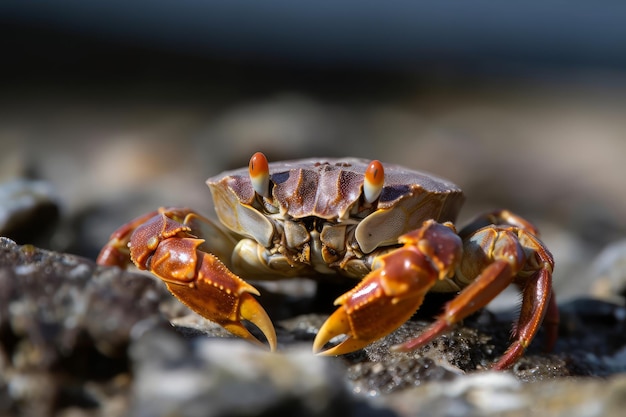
<point>199,279</point>
<point>213,291</point>
<point>251,310</point>
<point>116,252</point>
<point>390,294</point>
<point>380,303</point>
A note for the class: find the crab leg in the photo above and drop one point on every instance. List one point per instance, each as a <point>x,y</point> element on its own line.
<point>505,247</point>
<point>498,218</point>
<point>474,297</point>
<point>165,244</point>
<point>538,306</point>
<point>538,299</point>
<point>542,259</point>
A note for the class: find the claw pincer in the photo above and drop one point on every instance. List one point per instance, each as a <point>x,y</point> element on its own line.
<point>165,247</point>
<point>482,265</point>
<point>394,290</point>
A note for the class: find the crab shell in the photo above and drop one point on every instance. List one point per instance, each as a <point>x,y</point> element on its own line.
<point>329,191</point>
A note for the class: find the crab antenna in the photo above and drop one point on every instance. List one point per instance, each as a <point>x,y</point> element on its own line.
<point>373,182</point>
<point>260,174</point>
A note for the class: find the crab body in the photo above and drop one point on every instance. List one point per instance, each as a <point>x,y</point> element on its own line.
<point>317,222</point>
<point>388,226</point>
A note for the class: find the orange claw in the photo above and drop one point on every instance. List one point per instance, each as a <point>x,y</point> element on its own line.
<point>390,294</point>
<point>507,257</point>
<point>202,282</point>
<point>115,252</point>
<point>165,246</point>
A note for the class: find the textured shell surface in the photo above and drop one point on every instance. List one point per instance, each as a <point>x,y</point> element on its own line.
<point>328,187</point>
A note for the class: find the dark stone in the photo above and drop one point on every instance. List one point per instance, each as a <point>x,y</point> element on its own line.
<point>65,325</point>
<point>29,211</point>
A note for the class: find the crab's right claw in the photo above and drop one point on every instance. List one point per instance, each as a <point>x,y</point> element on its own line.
<point>116,252</point>
<point>199,279</point>
<point>211,290</point>
<point>251,310</point>
<point>214,292</point>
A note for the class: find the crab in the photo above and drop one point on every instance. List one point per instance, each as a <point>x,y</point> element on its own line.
<point>387,226</point>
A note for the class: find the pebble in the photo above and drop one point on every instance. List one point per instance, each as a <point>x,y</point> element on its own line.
<point>29,210</point>
<point>608,273</point>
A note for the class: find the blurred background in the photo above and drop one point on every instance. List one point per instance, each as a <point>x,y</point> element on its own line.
<point>119,108</point>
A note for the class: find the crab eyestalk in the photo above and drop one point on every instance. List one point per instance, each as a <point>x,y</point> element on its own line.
<point>374,179</point>
<point>260,174</point>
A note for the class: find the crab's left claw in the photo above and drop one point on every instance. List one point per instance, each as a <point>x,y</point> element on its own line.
<point>337,324</point>
<point>381,302</point>
<point>390,294</point>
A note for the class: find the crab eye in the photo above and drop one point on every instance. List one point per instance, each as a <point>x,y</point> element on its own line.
<point>260,174</point>
<point>374,180</point>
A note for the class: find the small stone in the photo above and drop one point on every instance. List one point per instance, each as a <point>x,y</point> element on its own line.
<point>500,394</point>
<point>608,273</point>
<point>28,211</point>
<point>64,327</point>
<point>231,378</point>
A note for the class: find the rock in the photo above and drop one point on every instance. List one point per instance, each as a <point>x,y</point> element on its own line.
<point>82,340</point>
<point>608,273</point>
<point>65,325</point>
<point>501,394</point>
<point>214,378</point>
<point>28,211</point>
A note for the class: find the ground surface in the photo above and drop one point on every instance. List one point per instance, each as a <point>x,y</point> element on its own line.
<point>76,339</point>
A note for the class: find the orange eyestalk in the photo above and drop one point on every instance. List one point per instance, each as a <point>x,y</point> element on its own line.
<point>374,180</point>
<point>260,174</point>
